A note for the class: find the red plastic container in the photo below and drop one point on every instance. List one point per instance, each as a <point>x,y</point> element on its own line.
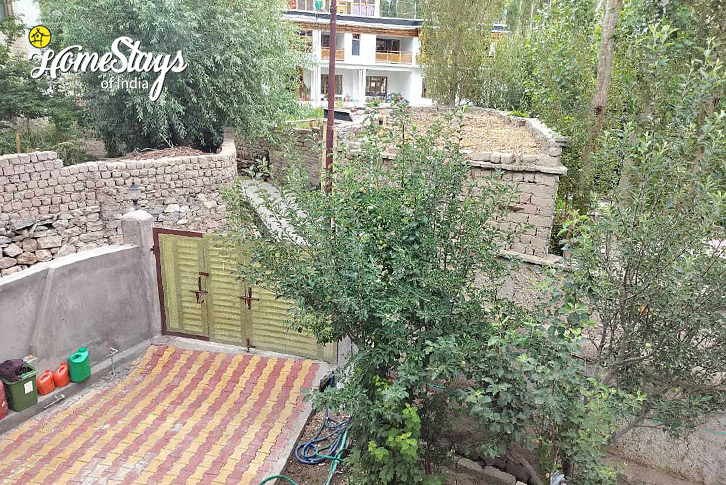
<point>45,383</point>
<point>61,377</point>
<point>3,402</point>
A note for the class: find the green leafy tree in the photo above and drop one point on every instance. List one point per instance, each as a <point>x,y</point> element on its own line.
<point>241,68</point>
<point>401,8</point>
<point>403,259</point>
<point>652,261</point>
<point>24,100</point>
<point>455,42</point>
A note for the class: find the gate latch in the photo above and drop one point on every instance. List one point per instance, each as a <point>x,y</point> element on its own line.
<point>199,292</point>
<point>248,298</point>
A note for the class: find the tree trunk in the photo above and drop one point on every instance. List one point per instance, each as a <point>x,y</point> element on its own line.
<point>611,17</point>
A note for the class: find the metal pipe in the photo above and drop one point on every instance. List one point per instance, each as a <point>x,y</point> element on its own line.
<point>111,353</point>
<point>331,96</point>
<point>57,399</point>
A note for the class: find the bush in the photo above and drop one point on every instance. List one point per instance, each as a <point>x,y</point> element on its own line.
<point>409,270</point>
<point>241,68</point>
<point>651,262</point>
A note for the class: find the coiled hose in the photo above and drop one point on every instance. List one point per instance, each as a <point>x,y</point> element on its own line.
<point>311,453</point>
<point>329,443</point>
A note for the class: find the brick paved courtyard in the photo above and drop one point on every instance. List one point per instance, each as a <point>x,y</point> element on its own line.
<point>181,416</point>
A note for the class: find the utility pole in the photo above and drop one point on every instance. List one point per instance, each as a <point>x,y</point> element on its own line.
<point>330,132</point>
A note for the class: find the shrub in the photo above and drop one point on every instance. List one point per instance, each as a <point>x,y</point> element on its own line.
<point>42,117</point>
<point>402,258</point>
<point>651,262</point>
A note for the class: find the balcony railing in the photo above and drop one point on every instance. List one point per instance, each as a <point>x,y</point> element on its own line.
<point>394,58</point>
<point>339,54</point>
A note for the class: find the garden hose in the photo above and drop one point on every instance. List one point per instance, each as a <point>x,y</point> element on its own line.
<point>332,432</point>
<point>282,477</point>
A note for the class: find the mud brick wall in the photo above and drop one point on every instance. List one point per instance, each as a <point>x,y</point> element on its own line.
<point>536,177</point>
<point>48,210</point>
<point>295,144</point>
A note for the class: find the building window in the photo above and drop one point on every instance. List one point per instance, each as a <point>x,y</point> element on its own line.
<point>377,86</point>
<point>307,5</point>
<point>306,36</point>
<point>356,44</point>
<point>338,84</point>
<point>388,45</point>
<point>364,8</point>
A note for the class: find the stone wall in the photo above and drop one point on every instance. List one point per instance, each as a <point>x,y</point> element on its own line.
<point>295,143</point>
<point>536,176</point>
<point>48,210</point>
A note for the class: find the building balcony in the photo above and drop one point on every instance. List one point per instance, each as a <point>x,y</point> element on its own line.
<point>394,58</point>
<point>325,53</point>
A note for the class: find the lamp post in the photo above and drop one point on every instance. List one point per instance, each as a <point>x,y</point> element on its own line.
<point>134,193</point>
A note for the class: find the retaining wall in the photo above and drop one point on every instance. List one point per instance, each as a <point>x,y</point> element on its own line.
<point>100,298</point>
<point>48,210</point>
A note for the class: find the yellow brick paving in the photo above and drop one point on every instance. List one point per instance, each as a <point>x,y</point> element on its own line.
<point>163,429</point>
<point>52,441</point>
<point>182,416</point>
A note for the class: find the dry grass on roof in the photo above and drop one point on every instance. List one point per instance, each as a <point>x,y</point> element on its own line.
<point>484,132</point>
<point>153,154</point>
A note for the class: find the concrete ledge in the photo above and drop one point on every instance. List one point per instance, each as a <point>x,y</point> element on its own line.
<point>98,371</point>
<point>550,260</point>
<point>560,170</point>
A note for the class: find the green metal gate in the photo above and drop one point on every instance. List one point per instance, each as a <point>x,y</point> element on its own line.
<point>201,297</point>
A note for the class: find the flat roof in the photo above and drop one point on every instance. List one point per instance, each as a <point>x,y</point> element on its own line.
<point>358,19</point>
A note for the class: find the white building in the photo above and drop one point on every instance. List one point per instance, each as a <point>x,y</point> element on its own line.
<point>376,56</point>
<point>27,12</point>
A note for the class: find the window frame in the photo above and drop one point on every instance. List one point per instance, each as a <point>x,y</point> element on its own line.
<point>338,84</point>
<point>381,93</point>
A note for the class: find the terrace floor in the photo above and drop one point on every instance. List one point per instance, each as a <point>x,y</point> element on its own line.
<point>180,416</point>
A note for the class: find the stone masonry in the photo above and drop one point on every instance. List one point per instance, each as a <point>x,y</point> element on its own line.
<point>536,176</point>
<point>48,210</point>
<point>298,143</point>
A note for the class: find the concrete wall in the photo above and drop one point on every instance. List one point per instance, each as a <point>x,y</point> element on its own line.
<point>100,298</point>
<point>60,210</point>
<point>699,457</point>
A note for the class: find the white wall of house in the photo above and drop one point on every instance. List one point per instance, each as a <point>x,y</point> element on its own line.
<point>403,78</point>
<point>28,12</point>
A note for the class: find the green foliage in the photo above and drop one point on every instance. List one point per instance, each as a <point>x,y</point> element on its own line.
<point>547,70</point>
<point>393,447</point>
<point>305,112</point>
<point>408,269</point>
<point>640,260</point>
<point>241,68</point>
<point>407,9</point>
<point>651,263</point>
<point>455,46</point>
<point>43,116</point>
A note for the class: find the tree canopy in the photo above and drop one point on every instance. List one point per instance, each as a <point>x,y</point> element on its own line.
<point>241,68</point>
